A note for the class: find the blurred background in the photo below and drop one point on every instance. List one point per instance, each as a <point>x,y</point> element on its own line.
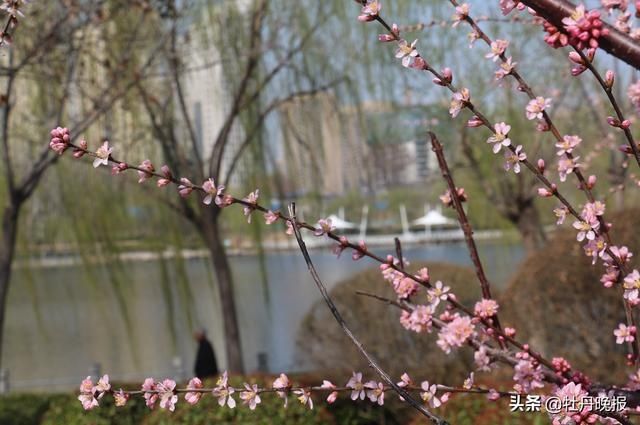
<point>101,274</point>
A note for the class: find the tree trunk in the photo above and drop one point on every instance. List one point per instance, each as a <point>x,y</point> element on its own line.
<point>7,249</point>
<point>528,224</point>
<point>214,241</point>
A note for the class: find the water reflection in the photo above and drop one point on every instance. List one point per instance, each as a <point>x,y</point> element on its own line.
<point>61,320</point>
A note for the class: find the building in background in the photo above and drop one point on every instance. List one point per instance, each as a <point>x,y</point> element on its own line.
<point>331,150</point>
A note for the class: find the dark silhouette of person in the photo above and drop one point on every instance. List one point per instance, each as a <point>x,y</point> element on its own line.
<point>206,365</point>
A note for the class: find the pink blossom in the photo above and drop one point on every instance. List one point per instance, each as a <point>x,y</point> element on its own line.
<point>447,200</point>
<point>462,12</point>
<point>493,395</point>
<point>118,168</point>
<point>482,359</point>
<point>375,392</point>
<point>304,397</point>
<point>358,254</point>
<point>407,52</point>
<point>342,244</point>
<point>633,93</point>
<point>282,382</point>
<point>150,397</point>
<point>60,139</point>
<point>544,192</point>
<point>528,377</point>
<point>497,49</point>
<point>446,76</point>
<point>624,334</point>
<point>561,214</point>
<point>568,144</point>
<point>554,37</point>
<point>193,397</point>
<point>102,155</point>
<point>500,137</point>
<point>459,101</point>
<point>472,37</point>
<point>250,397</point>
<point>423,274</point>
<point>593,210</point>
<point>585,230</point>
<point>102,387</point>
<point>252,199</point>
<point>405,287</point>
<point>621,253</point>
<point>370,11</point>
<point>438,292</point>
<point>213,192</point>
<point>584,28</point>
<point>610,277</point>
<point>609,78</point>
<point>536,107</point>
<point>405,381</point>
<point>455,333</point>
<point>595,248</point>
<point>355,383</point>
<point>632,286</point>
<point>566,166</point>
<point>145,173</point>
<point>86,396</point>
<point>324,227</point>
<point>506,68</point>
<point>270,217</point>
<point>333,395</point>
<point>513,159</point>
<point>474,122</point>
<point>168,398</point>
<point>120,398</point>
<point>419,320</point>
<point>571,395</point>
<point>506,6</point>
<point>12,7</point>
<point>185,188</point>
<point>166,172</point>
<point>81,150</point>
<point>429,394</point>
<point>224,392</point>
<point>486,308</point>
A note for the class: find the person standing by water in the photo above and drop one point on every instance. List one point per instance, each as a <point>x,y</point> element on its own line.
<point>206,365</point>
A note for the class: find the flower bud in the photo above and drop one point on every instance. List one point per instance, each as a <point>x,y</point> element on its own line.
<point>474,121</point>
<point>609,78</point>
<point>541,165</point>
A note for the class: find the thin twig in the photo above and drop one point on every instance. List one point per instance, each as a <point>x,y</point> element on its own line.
<point>336,314</point>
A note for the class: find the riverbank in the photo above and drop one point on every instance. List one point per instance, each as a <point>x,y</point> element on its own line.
<point>65,255</point>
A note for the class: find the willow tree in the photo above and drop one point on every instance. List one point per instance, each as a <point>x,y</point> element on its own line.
<point>45,81</point>
<point>245,61</point>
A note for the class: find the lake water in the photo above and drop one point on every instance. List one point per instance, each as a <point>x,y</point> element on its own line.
<point>137,320</point>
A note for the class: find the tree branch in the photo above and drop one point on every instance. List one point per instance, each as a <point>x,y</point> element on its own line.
<point>616,42</point>
<point>336,314</point>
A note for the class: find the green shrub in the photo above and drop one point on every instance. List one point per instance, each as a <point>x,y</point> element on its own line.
<point>323,345</point>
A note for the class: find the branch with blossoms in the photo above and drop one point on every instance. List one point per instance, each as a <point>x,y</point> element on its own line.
<point>165,393</point>
<point>615,40</point>
<point>402,391</point>
<point>590,222</point>
<point>13,9</point>
<point>457,325</point>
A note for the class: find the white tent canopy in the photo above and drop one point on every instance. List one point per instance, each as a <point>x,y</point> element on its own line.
<point>339,223</point>
<point>433,218</point>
